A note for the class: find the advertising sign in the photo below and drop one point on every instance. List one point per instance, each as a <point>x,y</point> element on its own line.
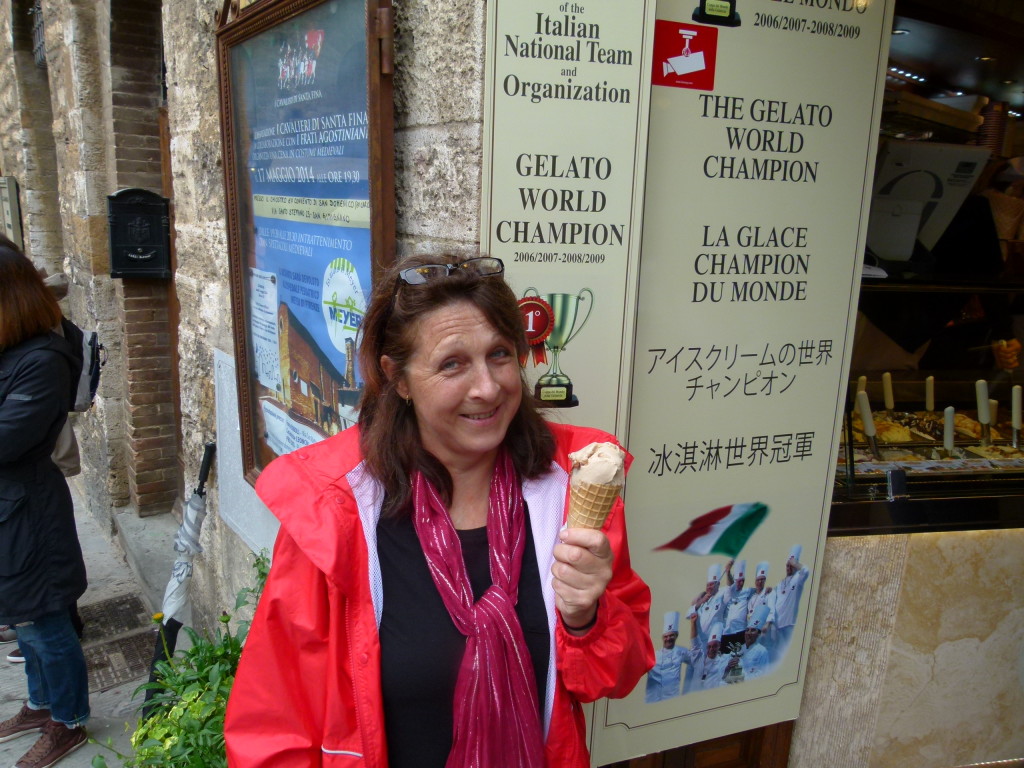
<point>764,121</point>
<point>298,134</point>
<point>565,132</point>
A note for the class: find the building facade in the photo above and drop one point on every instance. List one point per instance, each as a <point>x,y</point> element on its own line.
<point>103,95</point>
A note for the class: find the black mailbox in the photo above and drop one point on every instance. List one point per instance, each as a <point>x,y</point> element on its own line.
<point>140,238</point>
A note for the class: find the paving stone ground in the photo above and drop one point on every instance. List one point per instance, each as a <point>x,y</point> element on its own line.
<point>113,710</point>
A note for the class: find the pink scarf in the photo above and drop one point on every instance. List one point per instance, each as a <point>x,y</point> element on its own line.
<point>495,709</point>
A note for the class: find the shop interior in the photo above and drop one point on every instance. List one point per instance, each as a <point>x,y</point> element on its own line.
<point>941,317</point>
<point>931,439</point>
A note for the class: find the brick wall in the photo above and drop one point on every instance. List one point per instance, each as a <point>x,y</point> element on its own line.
<point>149,406</point>
<point>136,93</point>
<point>73,133</point>
<point>135,96</point>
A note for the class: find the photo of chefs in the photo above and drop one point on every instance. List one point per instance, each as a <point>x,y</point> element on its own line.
<point>736,632</point>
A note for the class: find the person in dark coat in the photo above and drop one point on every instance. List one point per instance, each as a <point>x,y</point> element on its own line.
<point>42,572</point>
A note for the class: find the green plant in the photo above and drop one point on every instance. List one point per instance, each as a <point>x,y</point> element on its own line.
<point>185,727</point>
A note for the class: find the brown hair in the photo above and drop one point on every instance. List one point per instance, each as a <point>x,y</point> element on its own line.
<point>27,308</point>
<point>389,436</point>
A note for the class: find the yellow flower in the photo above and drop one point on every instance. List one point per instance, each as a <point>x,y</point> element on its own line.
<point>158,617</point>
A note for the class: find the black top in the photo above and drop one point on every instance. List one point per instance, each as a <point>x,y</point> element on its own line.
<point>421,649</point>
<point>41,565</point>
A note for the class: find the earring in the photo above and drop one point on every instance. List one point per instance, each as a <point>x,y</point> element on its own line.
<point>408,402</point>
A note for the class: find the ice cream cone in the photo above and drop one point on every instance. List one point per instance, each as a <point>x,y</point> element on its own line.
<point>590,503</point>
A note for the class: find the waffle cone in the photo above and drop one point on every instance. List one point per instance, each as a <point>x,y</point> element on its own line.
<point>590,503</point>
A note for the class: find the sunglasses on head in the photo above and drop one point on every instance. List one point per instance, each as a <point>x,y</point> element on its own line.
<point>482,266</point>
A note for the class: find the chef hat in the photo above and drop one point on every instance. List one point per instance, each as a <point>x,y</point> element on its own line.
<point>715,632</point>
<point>795,552</point>
<point>758,618</point>
<point>762,571</point>
<point>671,622</point>
<point>741,569</point>
<point>714,572</point>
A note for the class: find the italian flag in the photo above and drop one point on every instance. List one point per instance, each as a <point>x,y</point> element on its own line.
<point>723,531</point>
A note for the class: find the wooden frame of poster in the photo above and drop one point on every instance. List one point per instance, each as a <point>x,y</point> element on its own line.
<point>307,138</point>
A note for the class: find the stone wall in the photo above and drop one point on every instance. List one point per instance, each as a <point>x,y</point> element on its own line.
<point>26,138</point>
<point>916,655</point>
<point>75,81</point>
<point>75,130</point>
<point>438,112</point>
<point>201,278</point>
<point>438,124</point>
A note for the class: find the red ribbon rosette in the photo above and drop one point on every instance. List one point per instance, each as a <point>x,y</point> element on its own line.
<point>538,320</point>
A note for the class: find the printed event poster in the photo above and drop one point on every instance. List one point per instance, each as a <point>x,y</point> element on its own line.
<point>565,132</point>
<point>300,105</point>
<point>763,133</point>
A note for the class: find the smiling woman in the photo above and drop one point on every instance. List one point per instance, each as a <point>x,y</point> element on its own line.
<point>464,384</point>
<point>436,531</point>
<point>403,334</point>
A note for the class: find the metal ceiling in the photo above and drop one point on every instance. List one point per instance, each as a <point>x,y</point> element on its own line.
<point>974,46</point>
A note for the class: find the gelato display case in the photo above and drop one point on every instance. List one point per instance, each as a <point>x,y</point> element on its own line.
<point>937,446</point>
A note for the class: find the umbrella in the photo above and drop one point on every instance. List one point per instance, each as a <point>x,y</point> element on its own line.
<point>176,606</point>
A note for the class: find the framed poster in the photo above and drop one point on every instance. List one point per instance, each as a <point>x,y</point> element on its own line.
<point>306,121</point>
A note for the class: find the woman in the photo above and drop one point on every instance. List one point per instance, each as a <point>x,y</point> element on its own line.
<point>42,572</point>
<point>426,607</point>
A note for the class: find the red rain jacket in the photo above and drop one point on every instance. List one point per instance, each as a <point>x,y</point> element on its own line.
<point>308,692</point>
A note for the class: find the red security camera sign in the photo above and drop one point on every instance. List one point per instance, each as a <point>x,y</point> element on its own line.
<point>684,55</point>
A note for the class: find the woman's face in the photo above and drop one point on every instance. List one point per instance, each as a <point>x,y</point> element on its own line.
<point>464,382</point>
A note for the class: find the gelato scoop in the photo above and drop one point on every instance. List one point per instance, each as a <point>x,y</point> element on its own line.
<point>597,477</point>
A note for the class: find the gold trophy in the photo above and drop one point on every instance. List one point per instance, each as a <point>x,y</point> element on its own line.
<point>554,388</point>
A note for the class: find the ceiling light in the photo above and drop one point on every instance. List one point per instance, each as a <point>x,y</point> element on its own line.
<point>901,31</point>
<point>985,59</point>
<point>1009,82</point>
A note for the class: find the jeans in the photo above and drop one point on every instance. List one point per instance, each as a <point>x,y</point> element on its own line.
<point>55,668</point>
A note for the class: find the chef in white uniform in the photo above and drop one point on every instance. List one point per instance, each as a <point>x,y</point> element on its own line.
<point>763,596</point>
<point>737,598</point>
<point>754,659</point>
<point>664,677</point>
<point>787,600</point>
<point>709,605</point>
<point>707,661</point>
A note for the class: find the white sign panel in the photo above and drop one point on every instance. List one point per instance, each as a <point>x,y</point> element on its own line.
<point>565,129</point>
<point>763,133</point>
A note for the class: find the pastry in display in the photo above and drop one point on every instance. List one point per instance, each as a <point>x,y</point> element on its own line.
<point>965,426</point>
<point>860,455</point>
<point>901,455</point>
<point>886,431</point>
<point>927,423</point>
<point>996,451</point>
<point>899,427</point>
<point>891,432</point>
<point>920,426</point>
